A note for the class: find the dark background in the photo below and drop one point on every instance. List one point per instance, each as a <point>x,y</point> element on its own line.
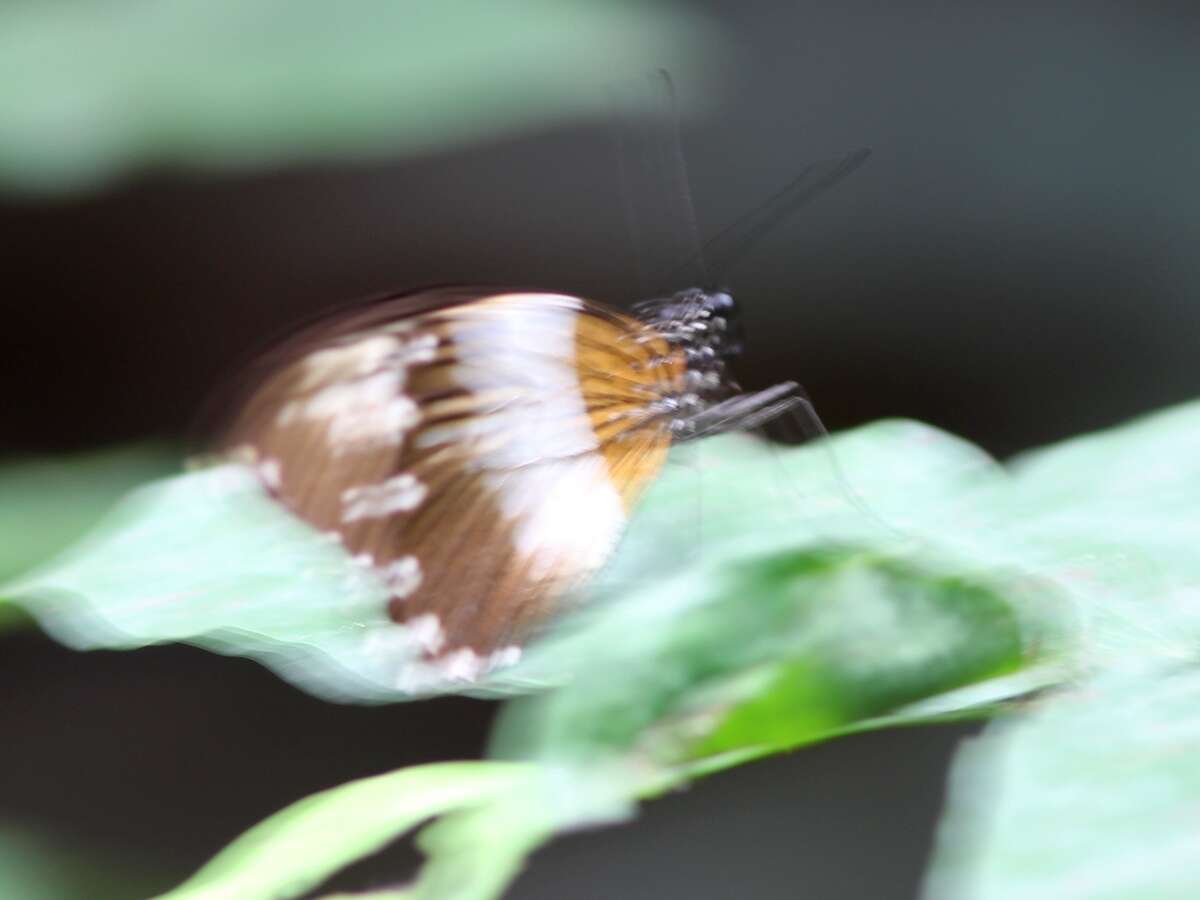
<point>1015,264</point>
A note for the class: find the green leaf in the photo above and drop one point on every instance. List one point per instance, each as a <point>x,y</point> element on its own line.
<point>233,571</point>
<point>87,90</point>
<point>299,847</point>
<point>872,635</point>
<point>1114,517</point>
<point>1093,792</point>
<point>1091,795</point>
<point>805,613</point>
<point>768,654</point>
<point>1044,572</point>
<point>488,817</point>
<point>794,610</point>
<point>45,504</point>
<point>475,852</point>
<point>208,557</point>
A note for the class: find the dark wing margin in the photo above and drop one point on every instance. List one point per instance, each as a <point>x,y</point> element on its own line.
<point>209,429</point>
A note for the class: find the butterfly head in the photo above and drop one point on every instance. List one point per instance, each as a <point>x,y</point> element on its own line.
<point>706,324</point>
<point>726,323</point>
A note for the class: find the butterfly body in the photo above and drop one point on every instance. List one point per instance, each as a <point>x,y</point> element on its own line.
<point>481,449</point>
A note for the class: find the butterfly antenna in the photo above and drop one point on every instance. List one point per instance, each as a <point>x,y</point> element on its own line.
<point>675,168</point>
<point>731,244</point>
<point>656,198</point>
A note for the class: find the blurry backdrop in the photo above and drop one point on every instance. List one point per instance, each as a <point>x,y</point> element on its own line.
<point>1016,264</point>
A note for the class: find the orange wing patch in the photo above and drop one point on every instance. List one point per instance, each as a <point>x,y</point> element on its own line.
<point>624,371</point>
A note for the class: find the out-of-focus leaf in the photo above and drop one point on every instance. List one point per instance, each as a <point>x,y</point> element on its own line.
<point>1094,793</point>
<point>870,636</point>
<point>297,848</point>
<point>804,615</point>
<point>985,572</point>
<point>1115,516</point>
<point>474,853</point>
<point>1090,796</point>
<point>88,90</point>
<point>797,611</point>
<point>772,653</point>
<point>208,557</point>
<point>34,866</point>
<point>233,571</point>
<point>45,504</point>
<point>488,817</point>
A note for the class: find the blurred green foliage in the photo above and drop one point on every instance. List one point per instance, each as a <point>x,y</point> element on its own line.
<point>88,90</point>
<point>1092,795</point>
<point>944,585</point>
<point>294,850</point>
<point>235,573</point>
<point>893,575</point>
<point>46,504</point>
<point>769,653</point>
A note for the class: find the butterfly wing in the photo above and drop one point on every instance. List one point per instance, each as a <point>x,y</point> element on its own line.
<point>479,454</point>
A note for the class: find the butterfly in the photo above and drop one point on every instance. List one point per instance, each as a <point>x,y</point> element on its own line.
<point>481,449</point>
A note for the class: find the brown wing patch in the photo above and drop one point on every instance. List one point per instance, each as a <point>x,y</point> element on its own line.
<point>481,456</point>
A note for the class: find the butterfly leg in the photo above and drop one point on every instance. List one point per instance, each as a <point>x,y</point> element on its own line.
<point>742,411</point>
